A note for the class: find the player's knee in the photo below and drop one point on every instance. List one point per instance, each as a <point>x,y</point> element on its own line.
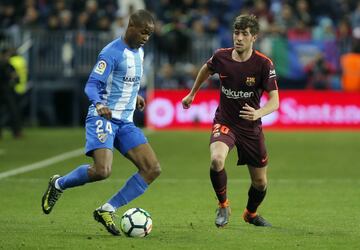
<point>155,171</point>
<point>260,184</point>
<point>152,171</point>
<point>217,163</point>
<point>102,172</point>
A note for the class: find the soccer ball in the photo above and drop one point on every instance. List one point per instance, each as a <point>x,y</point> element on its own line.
<point>136,222</point>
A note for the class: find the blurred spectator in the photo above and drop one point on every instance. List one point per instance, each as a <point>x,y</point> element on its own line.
<point>7,15</point>
<point>59,6</point>
<point>320,8</point>
<point>66,18</point>
<point>263,14</point>
<point>343,36</point>
<point>126,7</point>
<point>325,30</point>
<point>319,73</point>
<point>8,104</point>
<point>104,23</point>
<point>82,21</point>
<point>30,19</point>
<point>92,12</point>
<point>350,65</point>
<point>201,42</point>
<point>166,77</point>
<point>285,21</point>
<point>20,65</point>
<point>303,13</point>
<point>118,27</point>
<point>53,23</point>
<point>355,16</point>
<point>188,75</point>
<point>176,41</point>
<point>187,29</point>
<point>300,32</point>
<point>213,26</point>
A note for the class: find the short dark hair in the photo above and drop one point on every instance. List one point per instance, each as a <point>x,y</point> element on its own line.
<point>141,17</point>
<point>243,22</point>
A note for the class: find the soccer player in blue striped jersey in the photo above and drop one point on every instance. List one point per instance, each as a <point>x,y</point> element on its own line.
<point>112,88</point>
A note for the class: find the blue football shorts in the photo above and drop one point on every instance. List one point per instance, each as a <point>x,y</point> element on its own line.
<point>102,133</point>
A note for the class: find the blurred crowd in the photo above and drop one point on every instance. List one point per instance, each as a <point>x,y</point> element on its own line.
<point>191,29</point>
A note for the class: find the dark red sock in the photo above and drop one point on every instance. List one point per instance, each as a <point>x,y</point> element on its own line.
<point>219,182</point>
<point>255,199</point>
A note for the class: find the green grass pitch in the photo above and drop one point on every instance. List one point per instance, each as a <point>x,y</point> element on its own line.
<point>313,198</point>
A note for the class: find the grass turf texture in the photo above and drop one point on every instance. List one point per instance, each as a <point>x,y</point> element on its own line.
<point>313,196</point>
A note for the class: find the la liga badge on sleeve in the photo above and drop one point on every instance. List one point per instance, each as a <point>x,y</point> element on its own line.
<point>100,67</point>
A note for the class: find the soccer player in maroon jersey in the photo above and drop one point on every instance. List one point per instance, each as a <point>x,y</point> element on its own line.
<point>245,74</point>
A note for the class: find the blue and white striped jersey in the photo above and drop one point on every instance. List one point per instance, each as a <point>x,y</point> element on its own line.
<point>119,70</point>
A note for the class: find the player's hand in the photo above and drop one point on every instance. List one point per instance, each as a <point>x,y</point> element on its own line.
<point>103,111</point>
<point>187,100</point>
<point>140,103</point>
<point>249,113</point>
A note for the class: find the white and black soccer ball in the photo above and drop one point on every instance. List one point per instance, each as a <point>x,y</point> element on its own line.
<point>136,222</point>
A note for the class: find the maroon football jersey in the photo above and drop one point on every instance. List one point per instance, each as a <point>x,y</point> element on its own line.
<point>241,82</point>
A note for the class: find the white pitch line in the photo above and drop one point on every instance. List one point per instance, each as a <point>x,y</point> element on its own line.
<point>47,162</point>
<point>42,164</point>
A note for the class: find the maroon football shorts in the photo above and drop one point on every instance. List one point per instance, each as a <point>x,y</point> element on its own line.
<point>250,145</point>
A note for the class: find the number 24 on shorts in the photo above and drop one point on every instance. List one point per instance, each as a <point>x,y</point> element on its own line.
<point>100,128</point>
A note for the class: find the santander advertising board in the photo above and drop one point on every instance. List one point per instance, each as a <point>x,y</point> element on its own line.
<point>298,109</point>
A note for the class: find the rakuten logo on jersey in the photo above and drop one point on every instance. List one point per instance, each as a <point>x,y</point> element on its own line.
<point>236,94</point>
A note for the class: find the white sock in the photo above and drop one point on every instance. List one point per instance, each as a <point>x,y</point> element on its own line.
<point>107,207</point>
<point>57,186</point>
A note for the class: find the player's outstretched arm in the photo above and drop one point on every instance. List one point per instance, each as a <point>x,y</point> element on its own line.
<point>251,114</point>
<point>203,74</point>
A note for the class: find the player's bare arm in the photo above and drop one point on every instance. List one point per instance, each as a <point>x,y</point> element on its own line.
<point>103,111</point>
<point>203,74</point>
<point>140,103</point>
<point>251,114</point>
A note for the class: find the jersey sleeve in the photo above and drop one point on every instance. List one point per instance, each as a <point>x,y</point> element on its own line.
<point>269,77</point>
<point>213,62</point>
<point>103,67</point>
<point>92,90</point>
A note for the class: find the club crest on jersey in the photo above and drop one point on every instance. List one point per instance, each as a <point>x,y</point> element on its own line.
<point>102,137</point>
<point>100,67</point>
<point>250,81</point>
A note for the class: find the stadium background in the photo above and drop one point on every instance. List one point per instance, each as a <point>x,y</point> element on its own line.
<point>314,175</point>
<point>60,41</point>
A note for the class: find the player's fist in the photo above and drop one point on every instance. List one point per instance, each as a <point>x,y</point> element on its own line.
<point>103,111</point>
<point>140,103</point>
<point>187,100</point>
